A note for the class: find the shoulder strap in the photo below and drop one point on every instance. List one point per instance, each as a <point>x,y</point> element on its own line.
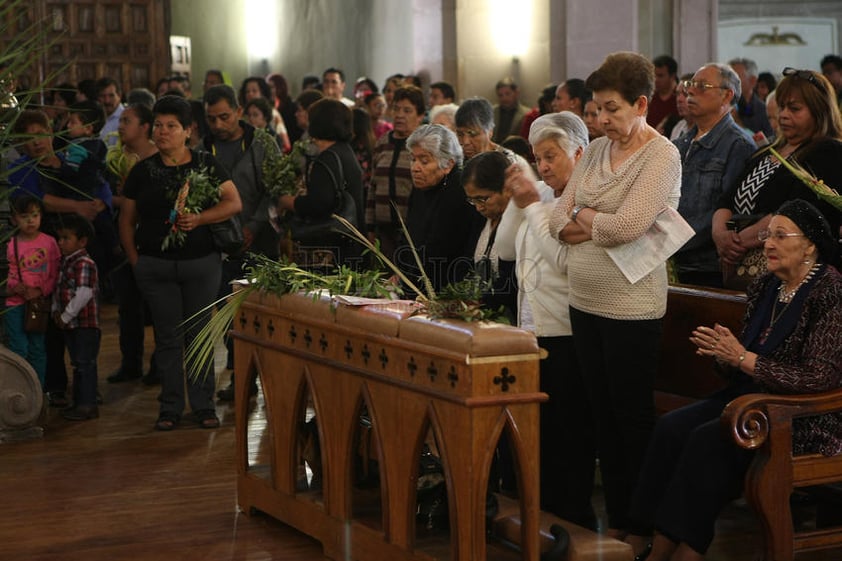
<point>338,186</point>
<point>17,257</point>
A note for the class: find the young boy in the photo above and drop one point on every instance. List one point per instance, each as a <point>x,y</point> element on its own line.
<point>85,161</point>
<point>75,310</point>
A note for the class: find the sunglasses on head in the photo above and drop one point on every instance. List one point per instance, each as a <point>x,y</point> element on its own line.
<point>804,75</point>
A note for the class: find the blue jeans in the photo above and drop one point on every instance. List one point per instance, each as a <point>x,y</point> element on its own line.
<point>83,347</point>
<point>28,345</point>
<point>176,291</point>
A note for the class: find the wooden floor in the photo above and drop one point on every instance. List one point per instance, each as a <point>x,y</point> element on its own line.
<point>113,489</point>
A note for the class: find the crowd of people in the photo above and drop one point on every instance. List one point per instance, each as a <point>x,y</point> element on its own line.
<point>105,185</point>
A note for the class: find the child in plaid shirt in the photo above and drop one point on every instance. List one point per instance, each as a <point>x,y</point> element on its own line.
<point>76,311</point>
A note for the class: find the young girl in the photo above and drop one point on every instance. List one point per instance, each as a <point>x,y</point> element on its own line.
<point>33,270</point>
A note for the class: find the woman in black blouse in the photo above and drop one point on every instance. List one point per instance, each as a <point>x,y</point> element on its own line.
<point>811,131</point>
<point>177,279</point>
<point>333,170</point>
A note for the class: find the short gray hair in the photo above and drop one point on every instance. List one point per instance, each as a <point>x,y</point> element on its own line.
<point>448,110</point>
<point>728,78</point>
<point>439,141</point>
<point>750,65</point>
<point>566,128</point>
<point>475,112</point>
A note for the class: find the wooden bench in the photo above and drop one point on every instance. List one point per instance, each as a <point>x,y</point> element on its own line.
<point>761,422</point>
<point>683,376</point>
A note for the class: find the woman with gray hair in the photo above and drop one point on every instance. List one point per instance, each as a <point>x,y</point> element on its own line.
<point>438,217</point>
<point>567,457</point>
<point>475,127</point>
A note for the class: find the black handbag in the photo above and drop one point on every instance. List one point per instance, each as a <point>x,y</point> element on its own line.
<point>323,230</point>
<point>228,235</point>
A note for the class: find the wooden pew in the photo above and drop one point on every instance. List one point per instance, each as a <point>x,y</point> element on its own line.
<point>763,422</point>
<point>683,376</point>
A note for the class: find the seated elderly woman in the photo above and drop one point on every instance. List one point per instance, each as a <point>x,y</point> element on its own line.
<point>790,343</point>
<point>567,456</point>
<point>438,217</point>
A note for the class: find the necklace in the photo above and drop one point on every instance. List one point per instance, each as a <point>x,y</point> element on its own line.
<point>785,297</point>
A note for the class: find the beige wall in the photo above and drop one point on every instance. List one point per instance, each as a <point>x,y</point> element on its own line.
<point>212,27</point>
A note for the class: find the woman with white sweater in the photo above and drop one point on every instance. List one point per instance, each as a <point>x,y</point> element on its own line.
<point>567,456</point>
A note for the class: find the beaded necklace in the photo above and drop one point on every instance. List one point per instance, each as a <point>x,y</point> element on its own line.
<point>785,297</point>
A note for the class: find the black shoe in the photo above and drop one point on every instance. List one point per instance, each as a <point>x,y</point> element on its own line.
<point>81,413</point>
<point>123,376</point>
<point>226,393</point>
<point>151,378</point>
<point>57,399</point>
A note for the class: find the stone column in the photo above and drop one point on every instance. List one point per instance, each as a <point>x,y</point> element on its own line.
<point>582,33</point>
<point>694,32</point>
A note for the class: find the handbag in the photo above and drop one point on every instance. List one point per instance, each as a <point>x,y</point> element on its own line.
<point>320,231</point>
<point>228,235</point>
<point>753,263</point>
<point>36,312</point>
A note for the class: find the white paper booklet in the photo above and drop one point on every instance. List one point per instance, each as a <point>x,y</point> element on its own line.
<point>638,258</point>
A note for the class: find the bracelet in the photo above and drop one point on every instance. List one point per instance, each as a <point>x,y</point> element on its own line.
<point>741,359</point>
<point>576,210</point>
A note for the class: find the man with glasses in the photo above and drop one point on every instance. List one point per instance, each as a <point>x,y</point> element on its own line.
<point>713,152</point>
<point>750,108</point>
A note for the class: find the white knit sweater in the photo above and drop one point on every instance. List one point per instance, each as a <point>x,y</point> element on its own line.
<point>627,200</point>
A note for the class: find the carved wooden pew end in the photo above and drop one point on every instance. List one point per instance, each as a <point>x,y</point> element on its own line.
<point>21,398</point>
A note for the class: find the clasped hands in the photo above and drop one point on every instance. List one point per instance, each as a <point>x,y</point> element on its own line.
<point>718,342</point>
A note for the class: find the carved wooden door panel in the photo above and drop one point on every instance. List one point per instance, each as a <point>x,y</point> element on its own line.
<point>88,39</point>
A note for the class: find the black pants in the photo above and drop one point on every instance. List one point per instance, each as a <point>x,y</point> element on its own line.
<point>567,435</point>
<point>619,359</point>
<point>691,472</point>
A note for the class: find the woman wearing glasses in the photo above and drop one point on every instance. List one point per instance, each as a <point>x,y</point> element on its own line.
<point>790,343</point>
<point>810,134</point>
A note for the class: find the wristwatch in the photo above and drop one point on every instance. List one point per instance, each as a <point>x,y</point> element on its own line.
<point>576,210</point>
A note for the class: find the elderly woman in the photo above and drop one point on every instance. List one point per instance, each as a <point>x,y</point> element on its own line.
<point>810,134</point>
<point>623,182</point>
<point>335,169</point>
<point>475,127</point>
<point>790,343</point>
<point>444,115</point>
<point>178,276</point>
<point>483,180</point>
<point>567,456</point>
<point>439,218</point>
<point>391,179</point>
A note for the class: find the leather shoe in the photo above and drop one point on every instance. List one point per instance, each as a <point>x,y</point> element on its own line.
<point>81,413</point>
<point>151,378</point>
<point>226,393</point>
<point>123,376</point>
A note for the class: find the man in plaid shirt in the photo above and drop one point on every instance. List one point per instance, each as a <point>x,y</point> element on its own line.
<point>76,311</point>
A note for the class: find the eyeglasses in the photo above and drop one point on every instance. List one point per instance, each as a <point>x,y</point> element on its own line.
<point>804,75</point>
<point>477,201</point>
<point>699,85</point>
<point>777,235</point>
